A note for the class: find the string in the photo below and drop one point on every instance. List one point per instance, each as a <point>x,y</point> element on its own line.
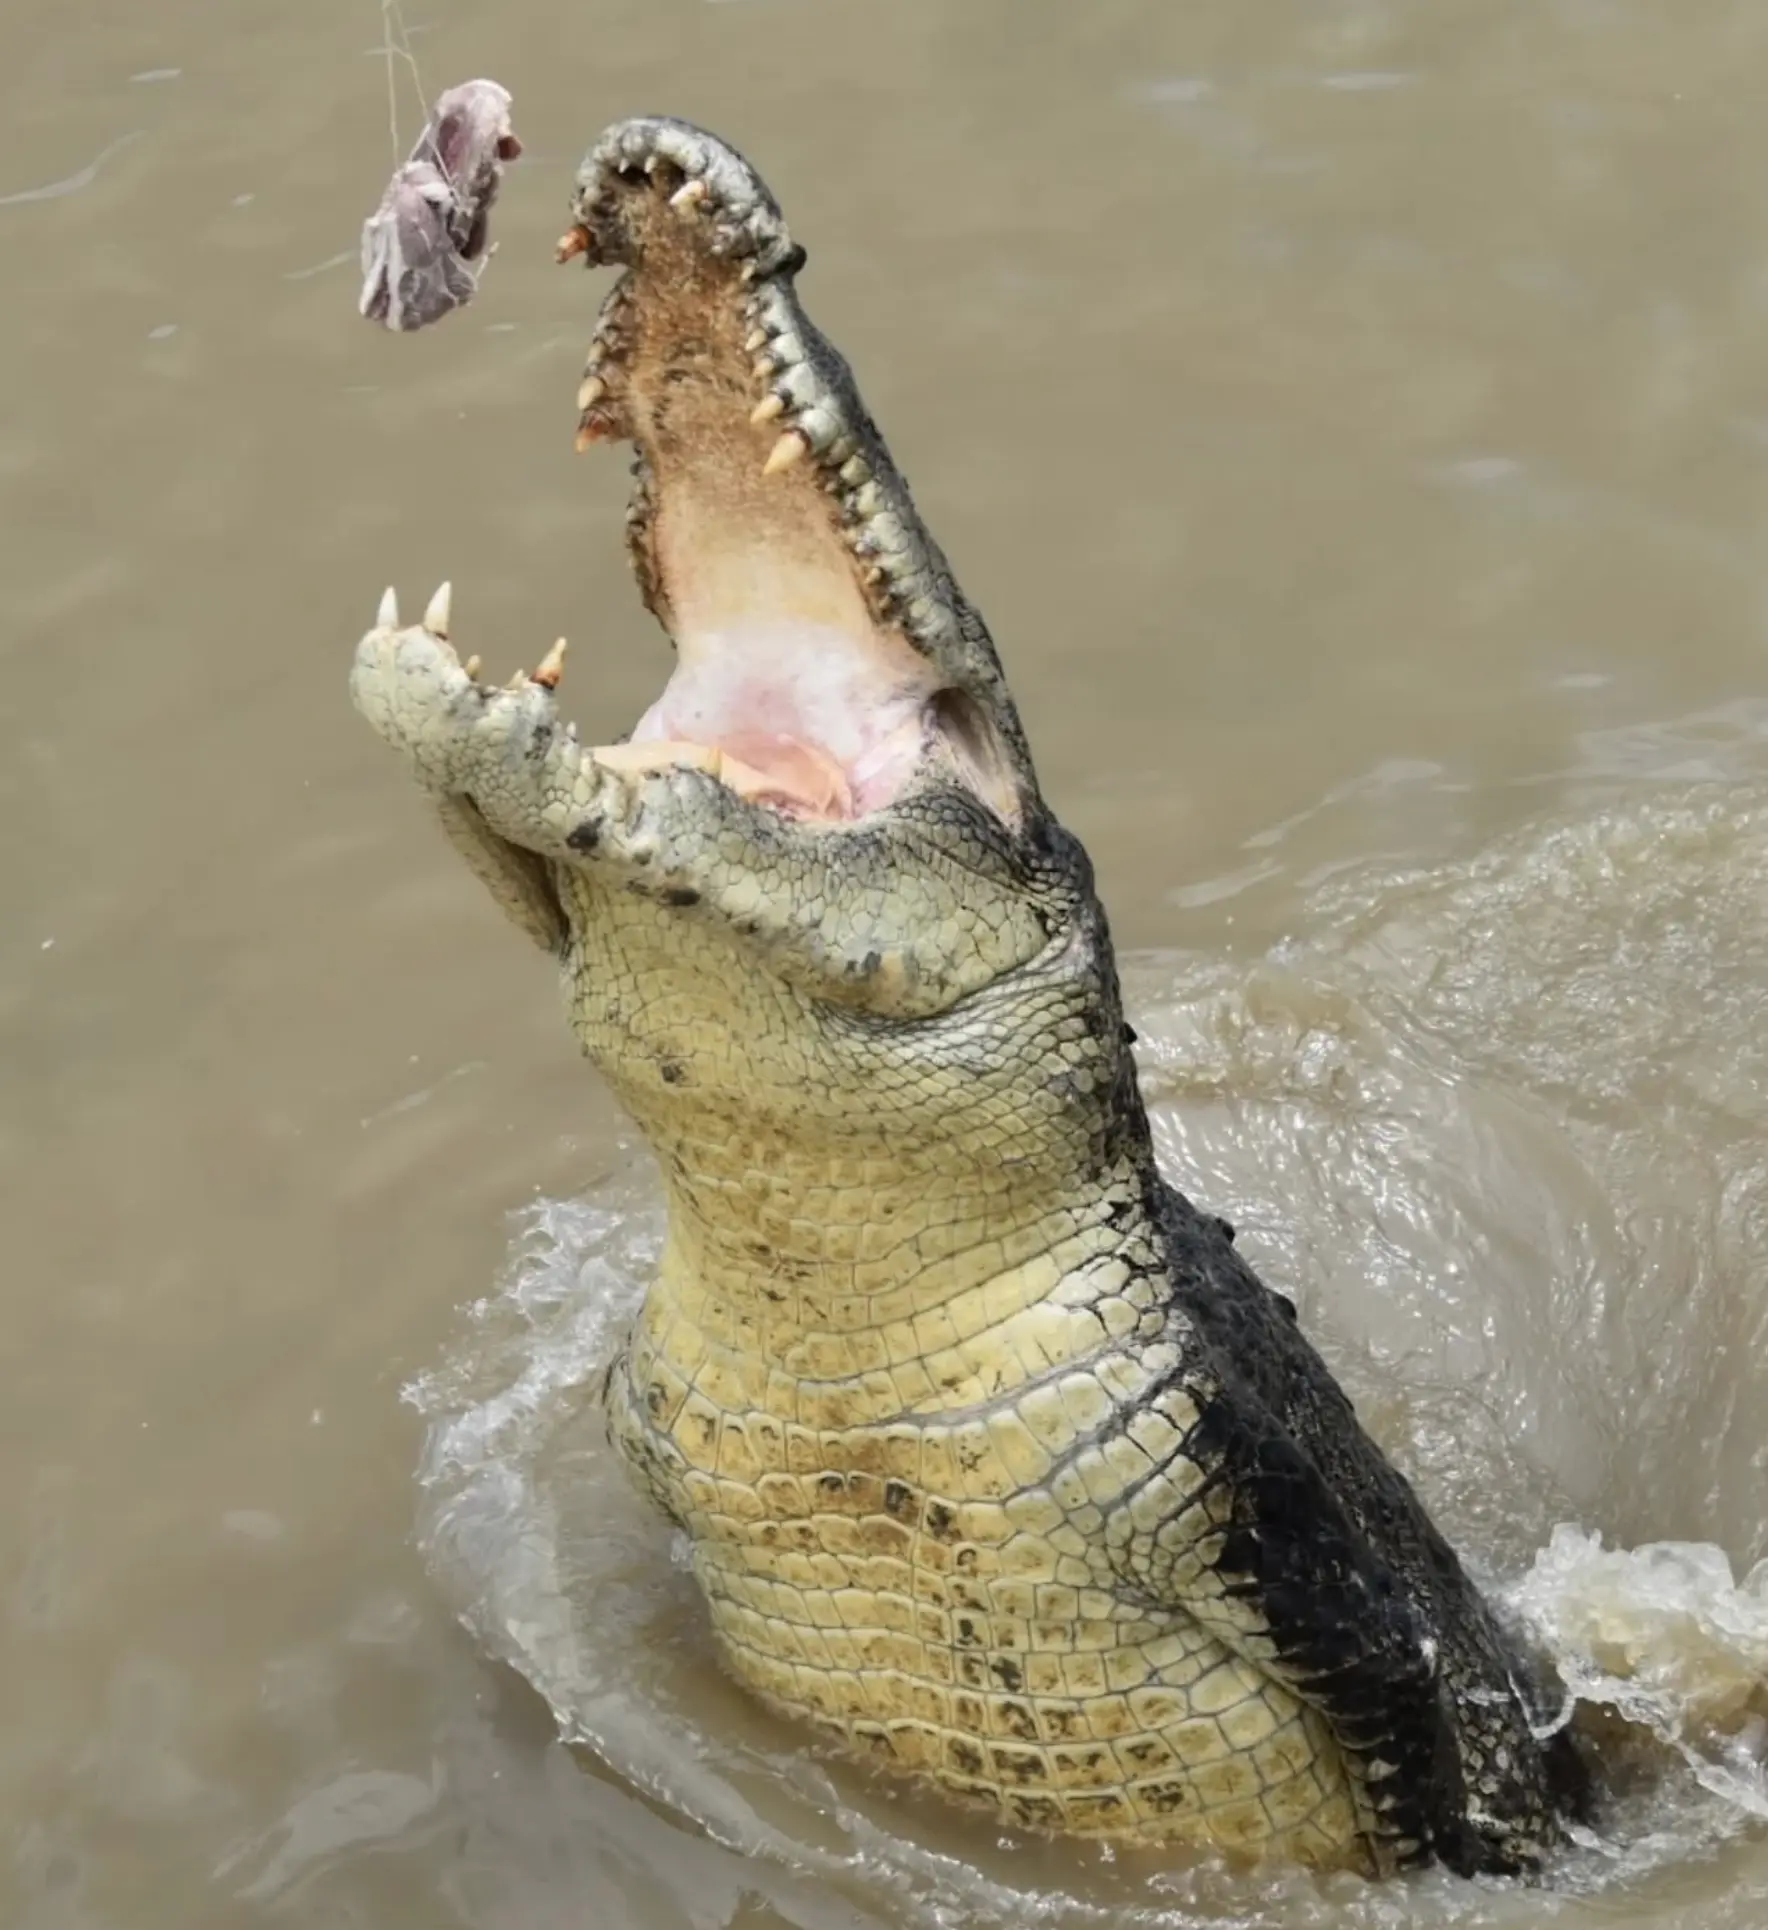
<point>396,45</point>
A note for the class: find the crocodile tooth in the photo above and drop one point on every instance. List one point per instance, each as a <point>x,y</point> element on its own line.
<point>439,610</point>
<point>756,339</point>
<point>590,391</point>
<point>764,368</point>
<point>791,448</point>
<point>574,241</point>
<point>585,436</point>
<point>387,616</point>
<point>688,196</point>
<point>518,681</point>
<point>551,667</point>
<point>473,666</point>
<point>766,410</point>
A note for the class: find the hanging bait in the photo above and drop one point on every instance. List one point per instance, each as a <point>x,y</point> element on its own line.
<point>426,245</point>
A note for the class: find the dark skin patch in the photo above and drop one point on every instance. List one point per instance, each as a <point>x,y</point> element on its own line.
<point>1019,1721</point>
<point>1019,1765</point>
<point>1093,1810</point>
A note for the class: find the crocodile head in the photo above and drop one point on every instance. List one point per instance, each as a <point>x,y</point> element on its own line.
<point>823,650</point>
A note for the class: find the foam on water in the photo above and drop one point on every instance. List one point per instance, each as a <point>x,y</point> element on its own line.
<point>1501,1128</point>
<point>1665,1637</point>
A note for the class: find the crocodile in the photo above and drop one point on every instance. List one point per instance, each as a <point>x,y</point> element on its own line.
<point>996,1460</point>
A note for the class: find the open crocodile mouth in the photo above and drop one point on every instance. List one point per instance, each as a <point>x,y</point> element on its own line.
<point>822,662</point>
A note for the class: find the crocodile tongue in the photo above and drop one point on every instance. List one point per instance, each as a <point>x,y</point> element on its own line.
<point>774,770</point>
<point>784,770</point>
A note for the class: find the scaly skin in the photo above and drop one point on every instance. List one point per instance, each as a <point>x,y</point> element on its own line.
<point>995,1458</point>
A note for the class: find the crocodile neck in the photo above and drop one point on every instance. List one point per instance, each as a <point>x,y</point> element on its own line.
<point>843,1294</point>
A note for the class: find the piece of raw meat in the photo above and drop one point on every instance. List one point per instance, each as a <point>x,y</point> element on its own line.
<point>424,248</point>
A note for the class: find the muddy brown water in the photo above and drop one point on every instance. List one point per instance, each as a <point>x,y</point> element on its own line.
<point>1353,419</point>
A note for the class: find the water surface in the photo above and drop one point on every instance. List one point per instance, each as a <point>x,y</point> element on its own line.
<point>1353,419</point>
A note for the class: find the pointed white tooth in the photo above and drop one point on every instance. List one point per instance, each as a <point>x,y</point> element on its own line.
<point>473,666</point>
<point>439,610</point>
<point>387,616</point>
<point>688,196</point>
<point>756,339</point>
<point>766,410</point>
<point>590,391</point>
<point>790,448</point>
<point>551,667</point>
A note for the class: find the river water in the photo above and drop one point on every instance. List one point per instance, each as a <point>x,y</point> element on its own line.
<point>1353,418</point>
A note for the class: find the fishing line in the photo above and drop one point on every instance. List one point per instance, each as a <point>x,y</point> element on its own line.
<point>396,45</point>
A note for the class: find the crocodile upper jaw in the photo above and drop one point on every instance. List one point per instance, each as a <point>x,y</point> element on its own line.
<point>821,648</point>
